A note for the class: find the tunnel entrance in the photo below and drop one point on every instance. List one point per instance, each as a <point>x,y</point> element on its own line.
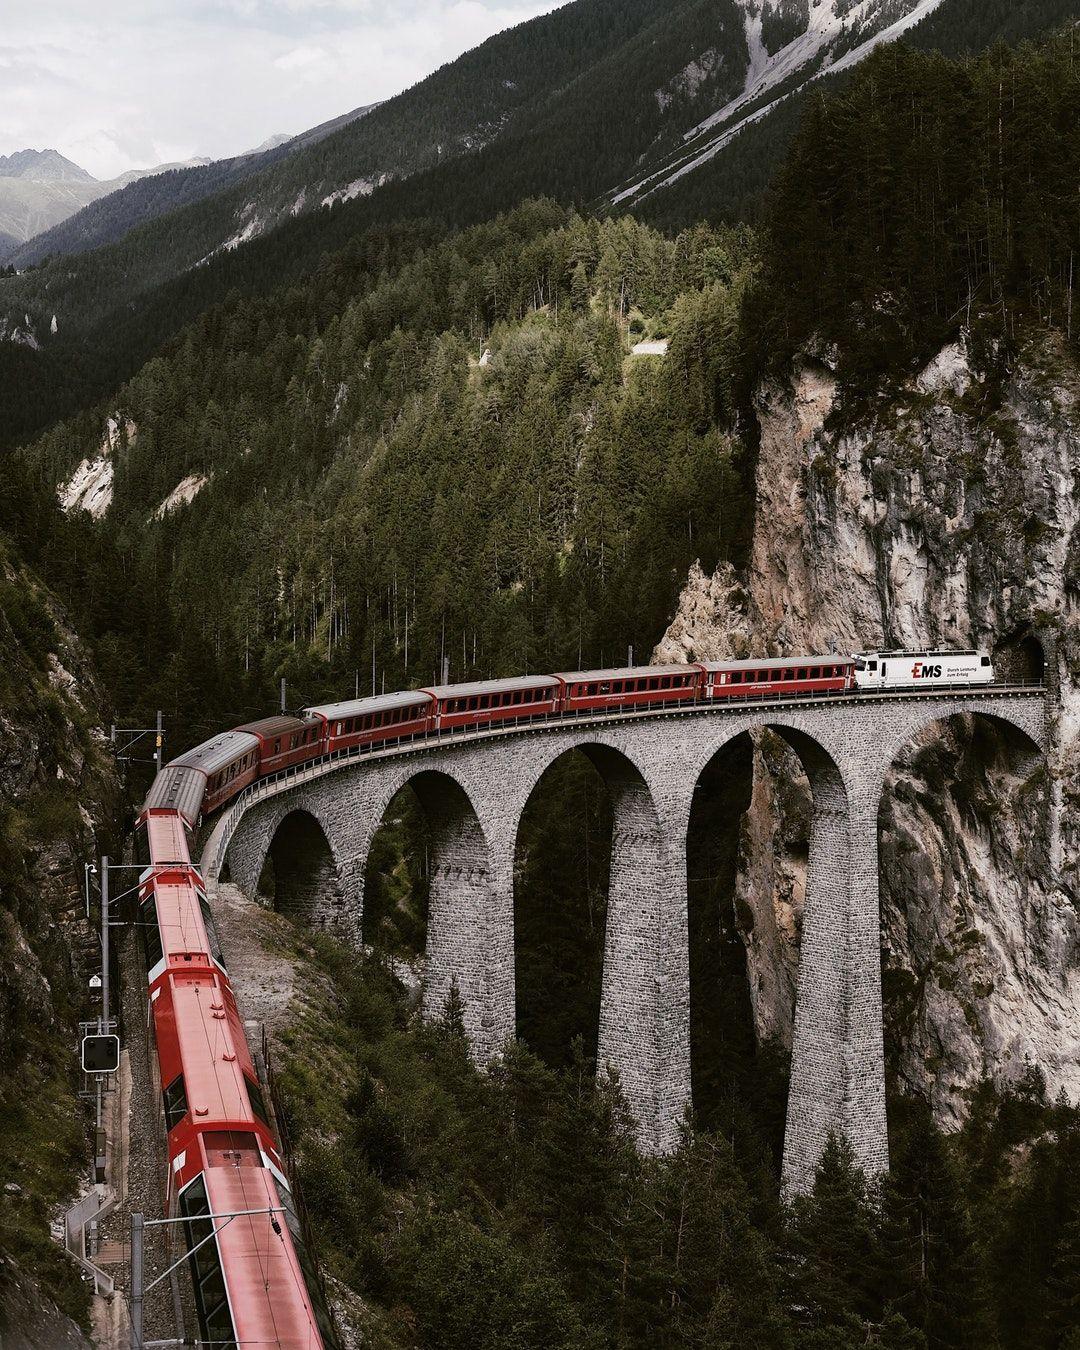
<point>299,877</point>
<point>561,876</point>
<point>1020,659</point>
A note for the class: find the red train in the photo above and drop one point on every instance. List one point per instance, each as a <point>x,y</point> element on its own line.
<point>252,1277</point>
<point>252,1280</point>
<point>210,775</point>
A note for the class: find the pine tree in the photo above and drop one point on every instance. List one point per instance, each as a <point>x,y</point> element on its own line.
<point>834,1244</point>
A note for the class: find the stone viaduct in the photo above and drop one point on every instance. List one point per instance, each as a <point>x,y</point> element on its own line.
<point>474,788</point>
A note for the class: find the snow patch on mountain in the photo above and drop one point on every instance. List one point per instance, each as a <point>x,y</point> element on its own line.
<point>829,44</point>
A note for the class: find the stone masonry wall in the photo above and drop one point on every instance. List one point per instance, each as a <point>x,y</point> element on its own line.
<point>474,791</point>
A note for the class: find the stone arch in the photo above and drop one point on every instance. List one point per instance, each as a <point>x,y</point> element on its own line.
<point>966,832</point>
<point>643,1012</point>
<point>459,900</point>
<point>321,885</point>
<point>837,1084</point>
<point>299,873</point>
<point>728,937</point>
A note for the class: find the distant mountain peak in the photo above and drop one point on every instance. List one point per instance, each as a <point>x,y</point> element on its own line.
<point>271,143</point>
<point>43,166</point>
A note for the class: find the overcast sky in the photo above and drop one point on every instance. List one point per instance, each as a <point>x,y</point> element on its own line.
<point>120,84</point>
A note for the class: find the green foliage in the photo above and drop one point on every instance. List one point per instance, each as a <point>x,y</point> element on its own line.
<point>511,1208</point>
<point>930,195</point>
<point>460,1204</point>
<point>376,495</point>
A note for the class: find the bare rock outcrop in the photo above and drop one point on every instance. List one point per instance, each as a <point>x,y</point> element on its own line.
<point>949,516</point>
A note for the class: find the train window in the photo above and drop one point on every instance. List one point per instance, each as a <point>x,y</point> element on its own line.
<point>175,1101</point>
<point>258,1101</point>
<point>211,932</point>
<point>984,661</point>
<point>277,746</point>
<point>208,1283</point>
<point>151,933</point>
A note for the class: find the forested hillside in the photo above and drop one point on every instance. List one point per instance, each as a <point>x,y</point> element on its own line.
<point>567,106</point>
<point>735,181</point>
<point>110,218</point>
<point>374,492</point>
<point>435,445</point>
<point>59,799</point>
<point>371,484</point>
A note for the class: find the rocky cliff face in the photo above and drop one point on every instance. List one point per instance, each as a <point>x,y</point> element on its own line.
<point>58,794</point>
<point>932,522</point>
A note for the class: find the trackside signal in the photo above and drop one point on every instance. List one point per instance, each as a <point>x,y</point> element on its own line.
<point>100,1054</point>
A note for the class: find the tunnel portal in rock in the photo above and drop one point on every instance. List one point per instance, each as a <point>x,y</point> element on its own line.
<point>1020,658</point>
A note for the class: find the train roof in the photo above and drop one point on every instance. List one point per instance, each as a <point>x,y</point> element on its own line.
<point>358,707</point>
<point>217,753</point>
<point>165,830</point>
<point>210,1045</point>
<point>442,691</point>
<point>275,726</point>
<point>177,788</point>
<point>925,651</point>
<point>759,662</point>
<point>180,921</point>
<point>269,1299</point>
<point>628,673</point>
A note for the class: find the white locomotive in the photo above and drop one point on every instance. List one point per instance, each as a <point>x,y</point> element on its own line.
<point>915,670</point>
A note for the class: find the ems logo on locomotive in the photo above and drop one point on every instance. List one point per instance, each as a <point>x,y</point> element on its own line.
<point>921,671</point>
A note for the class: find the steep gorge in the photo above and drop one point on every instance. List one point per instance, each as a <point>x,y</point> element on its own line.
<point>928,521</point>
<point>59,798</point>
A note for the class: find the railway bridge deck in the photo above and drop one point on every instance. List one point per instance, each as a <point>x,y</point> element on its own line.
<point>474,786</point>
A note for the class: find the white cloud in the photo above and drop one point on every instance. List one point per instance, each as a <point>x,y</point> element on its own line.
<point>150,81</point>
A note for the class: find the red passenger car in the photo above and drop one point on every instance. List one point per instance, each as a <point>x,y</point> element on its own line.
<point>228,763</point>
<point>494,701</point>
<point>385,719</point>
<point>644,686</point>
<point>779,675</point>
<point>284,741</point>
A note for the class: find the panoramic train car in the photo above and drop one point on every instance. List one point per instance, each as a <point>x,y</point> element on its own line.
<point>903,670</point>
<point>177,793</point>
<point>791,675</point>
<point>386,718</point>
<point>494,701</point>
<point>605,690</point>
